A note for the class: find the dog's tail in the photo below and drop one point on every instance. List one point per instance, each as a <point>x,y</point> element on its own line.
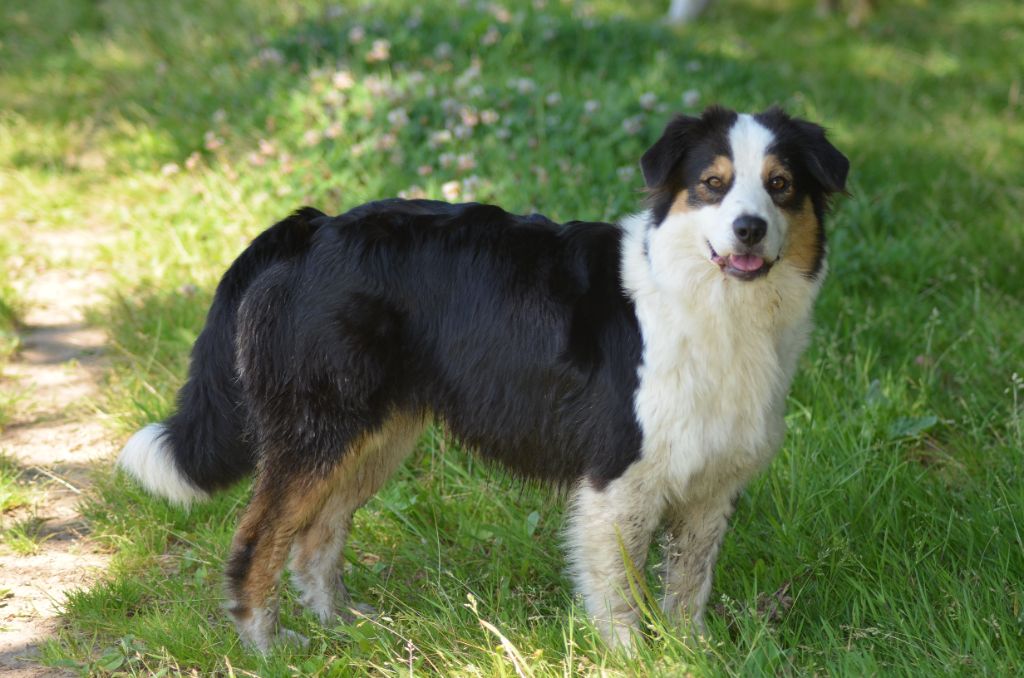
<point>201,448</point>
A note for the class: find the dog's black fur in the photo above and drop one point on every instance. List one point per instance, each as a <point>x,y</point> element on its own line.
<point>419,305</point>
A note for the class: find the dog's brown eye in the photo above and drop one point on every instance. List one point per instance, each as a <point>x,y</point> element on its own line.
<point>713,182</point>
<point>778,183</point>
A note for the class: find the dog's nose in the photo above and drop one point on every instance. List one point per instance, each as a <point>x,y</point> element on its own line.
<point>749,229</point>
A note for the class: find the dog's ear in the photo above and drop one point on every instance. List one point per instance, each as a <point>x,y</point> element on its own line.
<point>661,158</point>
<point>824,160</point>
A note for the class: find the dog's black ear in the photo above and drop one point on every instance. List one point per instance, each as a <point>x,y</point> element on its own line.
<point>824,160</point>
<point>660,159</point>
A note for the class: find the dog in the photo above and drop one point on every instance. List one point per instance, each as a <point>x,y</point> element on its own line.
<point>643,365</point>
<point>685,11</point>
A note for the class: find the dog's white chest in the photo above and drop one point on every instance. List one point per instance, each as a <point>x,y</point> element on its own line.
<point>710,404</point>
<point>718,359</point>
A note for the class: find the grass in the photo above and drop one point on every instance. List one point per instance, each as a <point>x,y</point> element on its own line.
<point>890,525</point>
<point>13,492</point>
<point>20,535</point>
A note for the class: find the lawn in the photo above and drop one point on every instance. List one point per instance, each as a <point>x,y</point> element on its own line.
<point>886,538</point>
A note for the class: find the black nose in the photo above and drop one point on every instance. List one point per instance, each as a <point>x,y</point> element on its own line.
<point>749,230</point>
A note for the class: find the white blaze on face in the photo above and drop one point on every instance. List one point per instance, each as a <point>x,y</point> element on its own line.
<point>749,142</point>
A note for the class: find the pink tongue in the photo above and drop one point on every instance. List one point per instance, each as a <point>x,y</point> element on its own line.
<point>746,262</point>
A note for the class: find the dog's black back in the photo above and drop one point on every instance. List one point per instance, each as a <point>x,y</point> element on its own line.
<point>451,310</point>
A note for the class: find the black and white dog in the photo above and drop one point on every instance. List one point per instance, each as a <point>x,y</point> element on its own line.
<point>645,365</point>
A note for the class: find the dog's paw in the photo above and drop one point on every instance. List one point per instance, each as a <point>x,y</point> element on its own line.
<point>353,612</point>
<point>290,638</point>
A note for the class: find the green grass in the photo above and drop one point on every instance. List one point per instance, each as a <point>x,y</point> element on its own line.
<point>893,515</point>
<point>13,492</point>
<point>18,533</point>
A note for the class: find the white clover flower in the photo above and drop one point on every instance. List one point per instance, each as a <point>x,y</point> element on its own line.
<point>633,125</point>
<point>312,137</point>
<point>476,91</point>
<point>446,160</point>
<point>333,130</point>
<point>414,192</point>
<point>465,162</point>
<point>462,131</point>
<point>469,116</point>
<point>522,85</point>
<point>648,100</point>
<point>398,118</point>
<point>342,80</point>
<point>443,51</point>
<point>489,116</point>
<point>378,87</point>
<point>501,13</point>
<point>451,190</point>
<point>170,169</point>
<point>211,141</point>
<point>691,98</point>
<point>334,98</point>
<point>425,170</point>
<point>270,56</point>
<point>356,35</point>
<point>591,106</point>
<point>439,137</point>
<point>553,99</point>
<point>491,37</point>
<point>266,147</point>
<point>380,50</point>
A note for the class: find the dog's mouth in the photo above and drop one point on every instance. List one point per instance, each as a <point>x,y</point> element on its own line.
<point>742,266</point>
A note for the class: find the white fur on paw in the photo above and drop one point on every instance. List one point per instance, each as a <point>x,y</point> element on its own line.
<point>620,638</point>
<point>288,637</point>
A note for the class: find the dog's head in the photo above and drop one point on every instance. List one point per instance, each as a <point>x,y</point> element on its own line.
<point>743,193</point>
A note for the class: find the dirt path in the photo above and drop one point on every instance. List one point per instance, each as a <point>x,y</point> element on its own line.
<point>56,437</point>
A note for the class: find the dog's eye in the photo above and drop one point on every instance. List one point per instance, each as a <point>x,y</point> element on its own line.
<point>778,183</point>
<point>714,183</point>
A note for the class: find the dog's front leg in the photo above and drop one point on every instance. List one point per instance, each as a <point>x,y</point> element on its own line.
<point>607,526</point>
<point>695,530</point>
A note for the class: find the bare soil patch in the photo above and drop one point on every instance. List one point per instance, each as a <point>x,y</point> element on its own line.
<point>57,438</point>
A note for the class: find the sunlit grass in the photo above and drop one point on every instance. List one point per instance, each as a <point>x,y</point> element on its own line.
<point>888,531</point>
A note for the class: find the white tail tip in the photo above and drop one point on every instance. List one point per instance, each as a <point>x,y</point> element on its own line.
<point>147,457</point>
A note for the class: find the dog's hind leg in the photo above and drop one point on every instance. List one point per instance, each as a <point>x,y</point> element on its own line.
<point>316,564</point>
<point>609,534</point>
<point>281,505</point>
